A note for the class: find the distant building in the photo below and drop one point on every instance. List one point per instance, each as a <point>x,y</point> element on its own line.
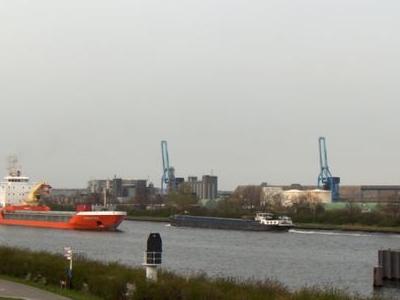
<point>270,194</point>
<point>206,188</point>
<point>314,196</point>
<point>288,195</point>
<point>121,189</point>
<point>67,196</point>
<point>379,193</point>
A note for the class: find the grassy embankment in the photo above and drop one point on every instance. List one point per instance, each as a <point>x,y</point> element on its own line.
<point>346,219</point>
<point>147,218</point>
<point>93,280</point>
<point>347,227</point>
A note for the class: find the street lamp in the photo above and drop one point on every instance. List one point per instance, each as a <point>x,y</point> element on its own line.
<point>68,255</point>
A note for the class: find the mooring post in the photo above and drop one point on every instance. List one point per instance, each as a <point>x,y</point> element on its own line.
<point>388,266</point>
<point>152,256</point>
<point>377,276</point>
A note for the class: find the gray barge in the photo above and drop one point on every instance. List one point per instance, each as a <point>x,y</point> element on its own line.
<point>279,224</point>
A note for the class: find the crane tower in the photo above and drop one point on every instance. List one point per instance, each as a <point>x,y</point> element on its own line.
<point>168,176</point>
<point>325,178</point>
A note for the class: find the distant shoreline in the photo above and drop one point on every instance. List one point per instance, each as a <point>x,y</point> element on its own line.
<point>347,227</point>
<point>147,219</point>
<point>309,226</point>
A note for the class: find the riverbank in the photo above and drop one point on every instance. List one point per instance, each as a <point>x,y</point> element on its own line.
<point>147,219</point>
<point>110,281</point>
<point>347,227</point>
<point>310,226</point>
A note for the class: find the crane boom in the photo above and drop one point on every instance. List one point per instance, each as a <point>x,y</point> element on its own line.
<point>37,191</point>
<point>168,176</point>
<point>325,177</point>
<point>323,159</point>
<point>165,158</point>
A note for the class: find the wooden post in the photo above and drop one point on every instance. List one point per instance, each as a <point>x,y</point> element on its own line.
<point>395,262</point>
<point>388,266</point>
<point>377,276</point>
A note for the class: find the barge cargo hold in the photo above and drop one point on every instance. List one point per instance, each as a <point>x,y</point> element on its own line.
<point>283,224</point>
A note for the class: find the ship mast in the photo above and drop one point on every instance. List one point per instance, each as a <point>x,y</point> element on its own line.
<point>12,166</point>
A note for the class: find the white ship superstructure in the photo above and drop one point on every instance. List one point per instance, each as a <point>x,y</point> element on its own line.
<point>15,188</point>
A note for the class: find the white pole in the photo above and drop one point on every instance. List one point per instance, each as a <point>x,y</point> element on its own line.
<point>70,265</point>
<point>68,255</point>
<point>151,273</point>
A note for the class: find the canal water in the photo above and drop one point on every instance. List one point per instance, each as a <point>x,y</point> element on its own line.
<point>334,259</point>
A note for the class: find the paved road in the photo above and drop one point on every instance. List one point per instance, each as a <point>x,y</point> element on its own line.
<point>18,290</point>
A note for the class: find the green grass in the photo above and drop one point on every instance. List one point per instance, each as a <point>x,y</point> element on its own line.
<point>94,280</point>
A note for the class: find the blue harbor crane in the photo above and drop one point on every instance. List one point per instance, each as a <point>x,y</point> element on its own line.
<point>325,178</point>
<point>168,176</point>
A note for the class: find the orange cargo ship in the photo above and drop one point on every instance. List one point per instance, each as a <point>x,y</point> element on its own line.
<point>19,205</point>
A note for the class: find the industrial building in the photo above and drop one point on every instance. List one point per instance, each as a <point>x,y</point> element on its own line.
<point>288,195</point>
<point>206,188</point>
<point>118,188</point>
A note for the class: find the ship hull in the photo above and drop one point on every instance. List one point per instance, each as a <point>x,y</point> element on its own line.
<point>96,220</point>
<point>223,223</point>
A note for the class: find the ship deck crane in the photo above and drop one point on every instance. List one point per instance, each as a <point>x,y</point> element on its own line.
<point>168,176</point>
<point>325,178</point>
<point>37,191</point>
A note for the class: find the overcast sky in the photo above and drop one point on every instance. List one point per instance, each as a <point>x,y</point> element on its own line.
<point>239,89</point>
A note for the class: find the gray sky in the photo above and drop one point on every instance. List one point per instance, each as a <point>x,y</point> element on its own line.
<point>240,89</point>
